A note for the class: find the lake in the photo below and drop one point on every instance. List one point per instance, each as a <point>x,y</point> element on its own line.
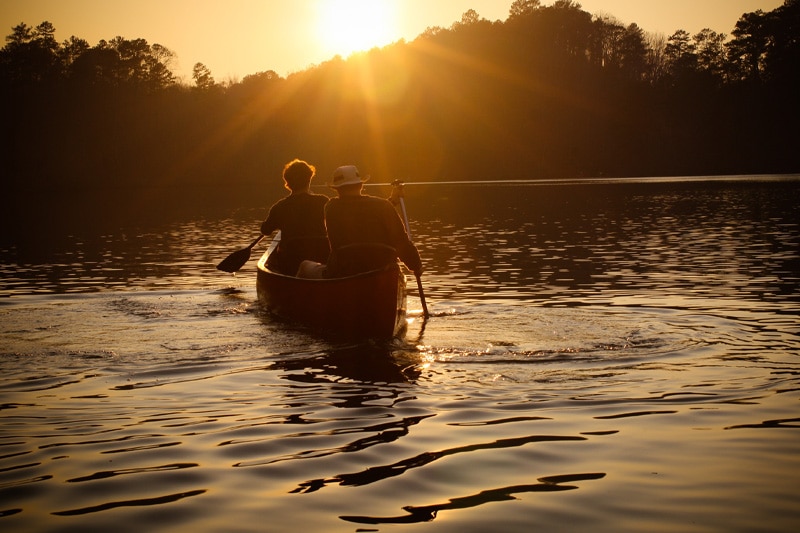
<point>602,355</point>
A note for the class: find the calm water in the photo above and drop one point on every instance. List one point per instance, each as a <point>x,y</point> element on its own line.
<point>615,356</point>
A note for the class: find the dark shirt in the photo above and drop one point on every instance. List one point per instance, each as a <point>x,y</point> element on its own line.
<point>301,220</point>
<point>357,220</point>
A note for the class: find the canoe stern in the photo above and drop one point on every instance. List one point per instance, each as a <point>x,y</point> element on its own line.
<point>368,305</point>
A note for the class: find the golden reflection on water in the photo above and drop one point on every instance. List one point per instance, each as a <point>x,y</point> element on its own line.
<point>631,365</point>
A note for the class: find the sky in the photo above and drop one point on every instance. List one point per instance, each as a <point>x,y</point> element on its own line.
<point>235,38</point>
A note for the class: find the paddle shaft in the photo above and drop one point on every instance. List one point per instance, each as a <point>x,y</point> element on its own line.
<point>419,278</point>
<point>258,240</point>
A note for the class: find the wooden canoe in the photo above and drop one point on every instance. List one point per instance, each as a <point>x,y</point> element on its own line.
<point>368,305</point>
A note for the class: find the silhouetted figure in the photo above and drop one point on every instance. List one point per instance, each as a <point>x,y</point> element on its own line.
<point>365,232</point>
<point>300,217</point>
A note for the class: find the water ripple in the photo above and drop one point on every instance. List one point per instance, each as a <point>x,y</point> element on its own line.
<point>428,513</point>
<point>378,473</point>
<point>637,343</point>
<point>158,500</point>
<point>127,471</point>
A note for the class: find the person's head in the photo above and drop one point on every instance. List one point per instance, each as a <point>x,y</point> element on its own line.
<point>297,175</point>
<point>347,180</point>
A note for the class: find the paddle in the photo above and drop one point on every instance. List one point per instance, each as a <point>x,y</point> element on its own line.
<point>399,187</point>
<point>237,259</point>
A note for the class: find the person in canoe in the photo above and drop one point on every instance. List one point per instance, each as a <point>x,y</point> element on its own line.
<point>300,217</point>
<point>365,232</point>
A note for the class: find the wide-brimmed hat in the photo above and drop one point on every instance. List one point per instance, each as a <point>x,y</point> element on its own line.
<point>346,175</point>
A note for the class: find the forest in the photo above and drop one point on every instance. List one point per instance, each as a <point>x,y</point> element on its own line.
<point>551,92</point>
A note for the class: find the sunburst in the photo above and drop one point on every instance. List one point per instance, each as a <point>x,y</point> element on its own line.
<point>347,26</point>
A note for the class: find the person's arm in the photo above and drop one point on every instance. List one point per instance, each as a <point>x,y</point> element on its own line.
<point>406,250</point>
<point>410,256</point>
<point>272,222</point>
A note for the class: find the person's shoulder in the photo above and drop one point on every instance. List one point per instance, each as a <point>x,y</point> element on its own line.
<point>307,198</point>
<point>376,199</point>
<point>281,203</point>
<point>384,203</point>
<point>332,203</point>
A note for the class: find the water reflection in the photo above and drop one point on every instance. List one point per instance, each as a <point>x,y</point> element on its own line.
<point>710,238</point>
<point>160,500</point>
<point>427,513</point>
<point>368,362</point>
<point>368,379</point>
<point>735,240</point>
<point>633,348</point>
<point>379,473</point>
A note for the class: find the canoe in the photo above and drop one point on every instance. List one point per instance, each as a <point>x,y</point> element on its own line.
<point>367,305</point>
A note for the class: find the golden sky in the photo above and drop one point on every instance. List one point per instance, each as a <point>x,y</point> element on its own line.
<point>234,38</point>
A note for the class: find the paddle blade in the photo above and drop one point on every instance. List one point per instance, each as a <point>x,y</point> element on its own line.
<point>235,261</point>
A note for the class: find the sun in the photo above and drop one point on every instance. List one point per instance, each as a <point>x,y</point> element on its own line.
<point>347,26</point>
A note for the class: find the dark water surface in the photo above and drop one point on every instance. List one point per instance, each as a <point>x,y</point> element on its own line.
<point>604,356</point>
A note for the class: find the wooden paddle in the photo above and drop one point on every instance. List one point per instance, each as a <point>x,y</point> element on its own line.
<point>237,259</point>
<point>425,313</point>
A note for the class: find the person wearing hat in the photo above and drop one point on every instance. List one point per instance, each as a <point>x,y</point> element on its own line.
<point>365,232</point>
<point>300,217</point>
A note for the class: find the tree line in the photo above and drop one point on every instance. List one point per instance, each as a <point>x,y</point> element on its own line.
<point>551,92</point>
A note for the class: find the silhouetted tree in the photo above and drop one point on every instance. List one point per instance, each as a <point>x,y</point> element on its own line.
<point>568,27</point>
<point>656,59</point>
<point>606,35</point>
<point>523,8</point>
<point>783,56</point>
<point>633,52</point>
<point>469,18</point>
<point>747,49</point>
<point>551,92</point>
<point>30,55</point>
<point>71,50</point>
<point>710,49</point>
<point>431,31</point>
<point>202,77</point>
<point>97,67</point>
<point>615,46</point>
<point>141,64</point>
<point>681,55</point>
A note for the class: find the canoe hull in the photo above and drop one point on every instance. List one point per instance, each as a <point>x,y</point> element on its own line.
<point>369,305</point>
